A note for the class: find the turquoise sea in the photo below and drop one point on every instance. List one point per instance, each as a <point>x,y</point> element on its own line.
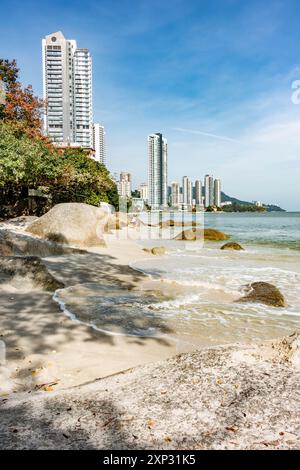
<point>199,285</point>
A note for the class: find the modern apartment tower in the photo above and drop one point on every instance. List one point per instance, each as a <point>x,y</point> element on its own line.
<point>124,184</point>
<point>99,143</point>
<point>175,194</point>
<point>67,83</point>
<point>198,193</point>
<point>209,191</point>
<point>187,192</point>
<point>157,171</point>
<point>217,192</point>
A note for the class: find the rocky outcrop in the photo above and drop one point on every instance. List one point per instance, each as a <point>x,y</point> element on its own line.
<point>32,268</point>
<point>117,221</point>
<point>231,397</point>
<point>177,223</point>
<point>156,250</point>
<point>18,244</point>
<point>264,292</point>
<point>72,224</point>
<point>202,234</point>
<point>232,246</point>
<point>23,221</point>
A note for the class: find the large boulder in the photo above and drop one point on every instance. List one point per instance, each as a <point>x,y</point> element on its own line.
<point>263,292</point>
<point>200,234</point>
<point>30,267</point>
<point>20,244</point>
<point>74,224</point>
<point>232,246</point>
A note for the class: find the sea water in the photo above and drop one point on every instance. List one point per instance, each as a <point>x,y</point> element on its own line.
<point>194,290</point>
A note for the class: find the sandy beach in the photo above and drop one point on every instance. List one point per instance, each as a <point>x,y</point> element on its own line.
<point>44,346</point>
<point>67,384</point>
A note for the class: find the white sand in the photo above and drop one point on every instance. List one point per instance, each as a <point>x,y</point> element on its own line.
<point>44,346</point>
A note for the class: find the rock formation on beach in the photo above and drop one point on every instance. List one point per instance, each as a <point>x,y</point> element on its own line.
<point>230,397</point>
<point>202,234</point>
<point>264,292</point>
<point>156,250</point>
<point>30,267</point>
<point>20,244</point>
<point>232,246</point>
<point>73,224</point>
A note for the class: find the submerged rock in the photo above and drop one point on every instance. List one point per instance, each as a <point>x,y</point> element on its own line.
<point>264,292</point>
<point>199,234</point>
<point>156,250</point>
<point>177,223</point>
<point>30,267</point>
<point>74,224</point>
<point>232,246</point>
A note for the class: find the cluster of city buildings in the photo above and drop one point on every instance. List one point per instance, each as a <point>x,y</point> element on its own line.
<point>158,194</point>
<point>67,81</point>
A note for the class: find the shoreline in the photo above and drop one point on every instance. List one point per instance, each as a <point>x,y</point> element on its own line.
<point>44,346</point>
<point>67,386</point>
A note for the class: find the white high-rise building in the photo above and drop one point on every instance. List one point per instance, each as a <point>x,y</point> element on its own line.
<point>217,192</point>
<point>67,83</point>
<point>209,191</point>
<point>198,193</point>
<point>175,194</point>
<point>143,190</point>
<point>124,184</point>
<point>157,171</point>
<point>99,143</point>
<point>187,192</point>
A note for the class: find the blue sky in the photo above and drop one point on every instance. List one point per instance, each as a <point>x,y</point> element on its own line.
<point>214,76</point>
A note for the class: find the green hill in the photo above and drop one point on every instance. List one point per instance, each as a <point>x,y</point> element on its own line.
<point>270,207</point>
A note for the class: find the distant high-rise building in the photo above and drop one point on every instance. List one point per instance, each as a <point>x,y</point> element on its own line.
<point>187,192</point>
<point>99,143</point>
<point>143,190</point>
<point>175,194</point>
<point>67,83</point>
<point>190,194</point>
<point>157,171</point>
<point>124,184</point>
<point>209,191</point>
<point>198,193</point>
<point>217,192</point>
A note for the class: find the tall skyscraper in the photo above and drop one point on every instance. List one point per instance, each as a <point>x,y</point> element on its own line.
<point>157,171</point>
<point>217,192</point>
<point>198,193</point>
<point>124,184</point>
<point>67,82</point>
<point>209,191</point>
<point>99,143</point>
<point>175,194</point>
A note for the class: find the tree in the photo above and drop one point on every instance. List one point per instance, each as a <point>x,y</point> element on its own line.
<point>20,106</point>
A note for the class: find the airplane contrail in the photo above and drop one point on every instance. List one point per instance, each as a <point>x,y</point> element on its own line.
<point>206,134</point>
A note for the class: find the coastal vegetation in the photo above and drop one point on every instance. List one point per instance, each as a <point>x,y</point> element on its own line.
<point>31,167</point>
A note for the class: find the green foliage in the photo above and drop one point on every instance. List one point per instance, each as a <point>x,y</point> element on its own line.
<point>69,175</point>
<point>243,208</point>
